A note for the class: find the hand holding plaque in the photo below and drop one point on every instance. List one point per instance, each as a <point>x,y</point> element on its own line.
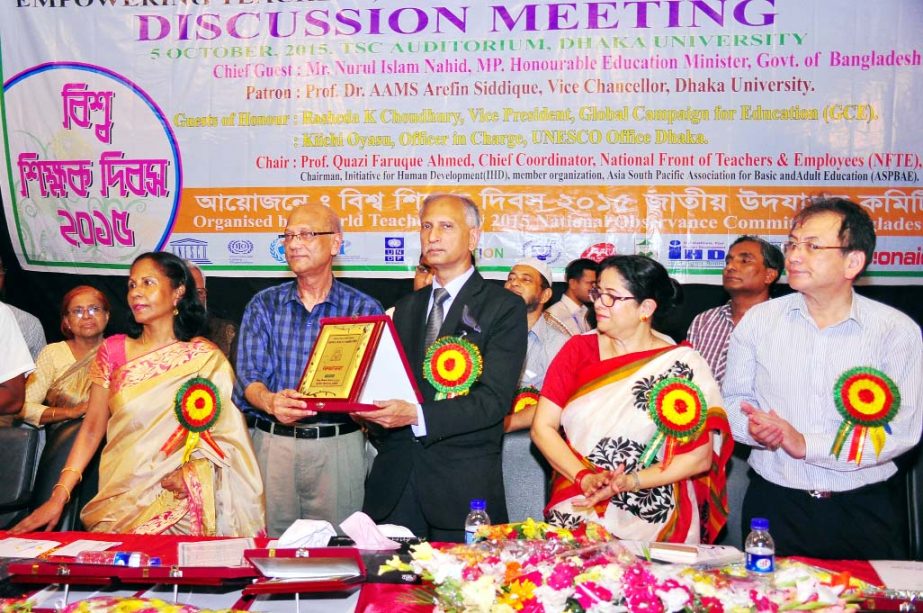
<point>355,361</point>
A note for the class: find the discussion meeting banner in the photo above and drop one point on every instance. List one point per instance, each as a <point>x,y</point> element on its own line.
<point>663,127</point>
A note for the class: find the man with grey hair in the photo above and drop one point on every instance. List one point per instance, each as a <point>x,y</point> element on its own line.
<point>313,465</point>
<point>435,457</point>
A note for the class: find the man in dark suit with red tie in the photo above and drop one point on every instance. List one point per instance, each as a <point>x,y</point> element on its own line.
<point>435,457</point>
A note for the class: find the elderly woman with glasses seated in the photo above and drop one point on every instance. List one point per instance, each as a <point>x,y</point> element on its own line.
<point>59,387</point>
<point>639,413</point>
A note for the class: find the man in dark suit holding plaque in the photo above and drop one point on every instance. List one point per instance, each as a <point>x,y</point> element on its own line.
<point>465,340</point>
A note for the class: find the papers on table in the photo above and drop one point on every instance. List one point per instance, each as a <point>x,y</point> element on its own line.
<point>15,547</point>
<point>226,552</point>
<point>899,574</point>
<point>72,549</point>
<point>682,553</point>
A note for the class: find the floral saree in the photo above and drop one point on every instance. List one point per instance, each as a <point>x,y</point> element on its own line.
<point>223,495</point>
<point>608,424</point>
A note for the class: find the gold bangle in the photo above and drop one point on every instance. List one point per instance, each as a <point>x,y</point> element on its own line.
<point>73,470</point>
<point>65,489</point>
<point>636,485</point>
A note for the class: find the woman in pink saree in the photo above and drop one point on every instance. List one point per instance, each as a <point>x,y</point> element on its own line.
<point>639,415</point>
<point>178,457</point>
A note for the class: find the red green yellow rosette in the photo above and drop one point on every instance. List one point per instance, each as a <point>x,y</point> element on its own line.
<point>868,400</point>
<point>526,398</point>
<point>197,407</point>
<point>452,365</point>
<point>677,406</point>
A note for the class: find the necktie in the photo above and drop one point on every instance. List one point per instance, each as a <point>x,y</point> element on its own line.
<point>436,315</point>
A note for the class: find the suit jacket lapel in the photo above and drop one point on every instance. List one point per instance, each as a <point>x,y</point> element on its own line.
<point>466,296</point>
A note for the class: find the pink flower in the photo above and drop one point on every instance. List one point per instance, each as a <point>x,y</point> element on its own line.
<point>712,604</point>
<point>762,603</point>
<point>533,606</point>
<point>589,593</point>
<point>471,573</point>
<point>562,576</point>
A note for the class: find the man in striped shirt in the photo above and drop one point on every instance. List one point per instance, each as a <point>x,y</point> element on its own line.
<point>751,269</point>
<point>801,370</point>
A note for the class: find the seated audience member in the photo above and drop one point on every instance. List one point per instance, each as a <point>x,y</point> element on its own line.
<point>751,269</point>
<point>434,458</point>
<point>571,310</point>
<point>618,466</point>
<point>314,465</point>
<point>219,331</point>
<point>59,388</point>
<point>525,471</point>
<point>530,279</point>
<point>29,325</point>
<point>805,371</point>
<point>15,364</point>
<point>154,478</point>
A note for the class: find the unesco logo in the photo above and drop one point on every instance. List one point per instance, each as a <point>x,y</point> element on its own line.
<point>240,247</point>
<point>276,250</point>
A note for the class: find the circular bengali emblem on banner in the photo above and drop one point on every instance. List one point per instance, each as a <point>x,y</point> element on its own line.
<point>197,404</point>
<point>452,364</point>
<point>866,397</point>
<point>526,398</point>
<point>677,407</point>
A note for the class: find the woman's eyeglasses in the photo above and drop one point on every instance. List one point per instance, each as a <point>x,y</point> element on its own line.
<point>90,311</point>
<point>607,299</point>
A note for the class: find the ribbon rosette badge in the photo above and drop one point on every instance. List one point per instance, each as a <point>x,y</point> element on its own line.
<point>197,408</point>
<point>452,365</point>
<point>868,400</point>
<point>526,397</point>
<point>677,407</point>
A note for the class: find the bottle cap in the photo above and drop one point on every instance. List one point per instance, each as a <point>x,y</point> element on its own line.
<point>478,504</point>
<point>759,523</point>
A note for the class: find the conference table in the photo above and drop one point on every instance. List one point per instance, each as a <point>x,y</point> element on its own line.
<point>227,587</point>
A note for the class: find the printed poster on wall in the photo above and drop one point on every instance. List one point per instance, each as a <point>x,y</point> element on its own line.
<point>580,128</point>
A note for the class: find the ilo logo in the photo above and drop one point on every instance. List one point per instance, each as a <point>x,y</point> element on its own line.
<point>276,250</point>
<point>240,247</point>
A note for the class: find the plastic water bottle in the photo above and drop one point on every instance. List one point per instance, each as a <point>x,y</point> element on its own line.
<point>477,517</point>
<point>760,549</point>
<point>133,559</point>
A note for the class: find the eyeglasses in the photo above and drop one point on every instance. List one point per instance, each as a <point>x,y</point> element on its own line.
<point>790,246</point>
<point>423,269</point>
<point>90,311</point>
<point>305,236</point>
<point>606,298</point>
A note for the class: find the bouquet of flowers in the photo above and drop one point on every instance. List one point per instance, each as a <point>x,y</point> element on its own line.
<point>534,567</point>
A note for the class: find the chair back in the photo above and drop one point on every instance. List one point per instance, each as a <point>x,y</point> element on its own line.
<point>60,439</point>
<point>17,457</point>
